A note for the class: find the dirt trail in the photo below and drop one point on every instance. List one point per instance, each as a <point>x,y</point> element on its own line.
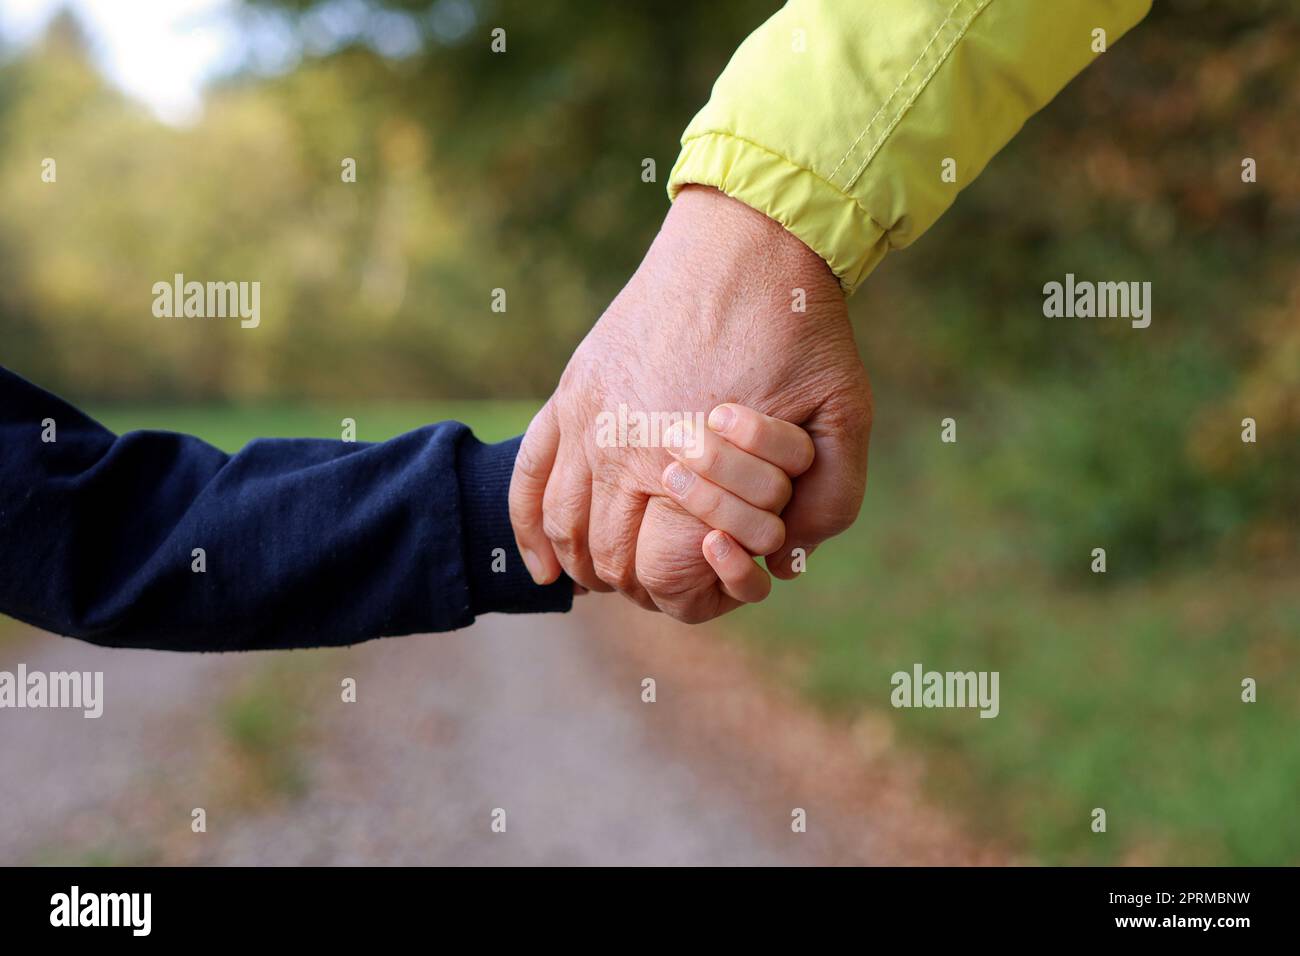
<point>541,717</point>
<point>68,783</point>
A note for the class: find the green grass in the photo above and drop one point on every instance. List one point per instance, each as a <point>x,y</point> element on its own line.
<point>266,729</point>
<point>12,632</point>
<point>229,427</point>
<point>1122,693</point>
<point>112,852</point>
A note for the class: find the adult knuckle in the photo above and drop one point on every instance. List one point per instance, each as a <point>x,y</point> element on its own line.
<point>665,580</point>
<point>561,531</point>
<point>614,569</point>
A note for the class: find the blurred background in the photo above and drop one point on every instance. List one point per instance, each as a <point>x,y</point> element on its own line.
<point>206,137</point>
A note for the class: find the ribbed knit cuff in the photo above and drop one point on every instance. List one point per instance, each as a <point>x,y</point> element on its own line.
<point>497,582</point>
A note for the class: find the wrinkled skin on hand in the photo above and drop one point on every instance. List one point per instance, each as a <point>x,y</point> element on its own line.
<point>706,319</point>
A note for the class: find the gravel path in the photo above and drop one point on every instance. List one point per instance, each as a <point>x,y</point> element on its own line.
<point>541,717</point>
<point>511,714</point>
<point>66,781</point>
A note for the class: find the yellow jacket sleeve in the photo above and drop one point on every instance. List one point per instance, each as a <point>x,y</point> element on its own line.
<point>836,117</point>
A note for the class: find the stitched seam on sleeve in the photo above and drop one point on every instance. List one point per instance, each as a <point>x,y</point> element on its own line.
<point>920,87</point>
<point>786,159</point>
<point>889,99</point>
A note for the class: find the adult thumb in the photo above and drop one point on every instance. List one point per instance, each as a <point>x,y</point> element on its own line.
<point>528,487</point>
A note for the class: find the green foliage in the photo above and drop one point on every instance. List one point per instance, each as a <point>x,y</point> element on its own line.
<point>1123,694</point>
<point>474,171</point>
<point>1095,431</point>
<point>230,427</point>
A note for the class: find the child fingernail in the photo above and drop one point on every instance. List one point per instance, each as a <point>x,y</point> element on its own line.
<point>720,418</point>
<point>678,479</point>
<point>718,544</point>
<point>678,438</point>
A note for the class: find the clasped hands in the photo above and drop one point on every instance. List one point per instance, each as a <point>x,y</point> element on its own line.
<point>710,323</point>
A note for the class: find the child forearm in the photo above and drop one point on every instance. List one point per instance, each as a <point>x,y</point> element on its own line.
<point>155,539</point>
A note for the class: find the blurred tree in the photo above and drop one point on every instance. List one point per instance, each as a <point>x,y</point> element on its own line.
<point>522,170</point>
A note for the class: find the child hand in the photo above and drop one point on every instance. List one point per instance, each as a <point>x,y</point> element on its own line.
<point>735,476</point>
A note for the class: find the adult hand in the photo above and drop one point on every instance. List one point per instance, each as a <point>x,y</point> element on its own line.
<point>709,317</point>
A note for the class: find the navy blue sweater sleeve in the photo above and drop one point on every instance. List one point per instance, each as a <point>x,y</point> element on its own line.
<point>154,539</point>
